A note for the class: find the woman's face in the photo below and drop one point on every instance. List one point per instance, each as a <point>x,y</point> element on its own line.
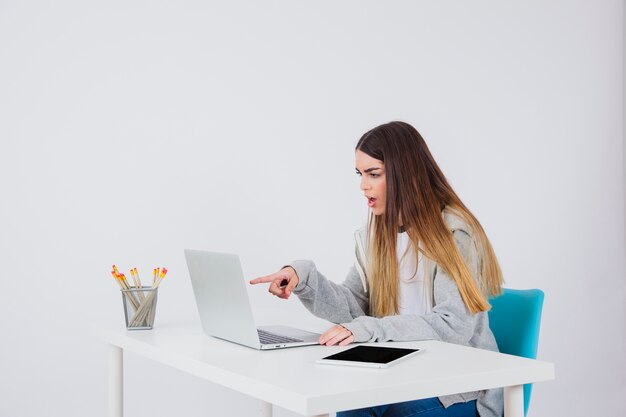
<point>373,183</point>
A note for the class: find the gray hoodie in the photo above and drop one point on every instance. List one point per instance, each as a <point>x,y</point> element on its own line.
<point>448,321</point>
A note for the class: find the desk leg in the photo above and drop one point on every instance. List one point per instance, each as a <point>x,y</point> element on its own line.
<point>265,409</point>
<point>514,401</point>
<point>116,381</point>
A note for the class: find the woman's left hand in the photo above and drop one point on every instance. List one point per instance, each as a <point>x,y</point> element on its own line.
<point>336,335</point>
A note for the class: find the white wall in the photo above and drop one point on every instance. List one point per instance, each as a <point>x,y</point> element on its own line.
<point>130,130</point>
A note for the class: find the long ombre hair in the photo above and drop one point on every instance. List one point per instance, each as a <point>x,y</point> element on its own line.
<point>418,191</point>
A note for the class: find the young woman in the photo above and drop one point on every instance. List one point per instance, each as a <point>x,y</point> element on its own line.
<point>423,269</point>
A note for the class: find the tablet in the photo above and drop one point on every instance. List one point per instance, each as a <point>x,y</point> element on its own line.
<point>369,356</point>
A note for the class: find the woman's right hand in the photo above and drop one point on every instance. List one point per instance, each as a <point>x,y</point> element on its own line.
<point>286,276</point>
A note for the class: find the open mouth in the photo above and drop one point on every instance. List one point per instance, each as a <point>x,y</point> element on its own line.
<point>371,201</point>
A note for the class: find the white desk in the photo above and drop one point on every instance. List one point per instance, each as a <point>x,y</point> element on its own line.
<point>306,388</point>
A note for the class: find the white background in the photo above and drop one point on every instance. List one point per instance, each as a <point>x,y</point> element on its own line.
<point>130,130</point>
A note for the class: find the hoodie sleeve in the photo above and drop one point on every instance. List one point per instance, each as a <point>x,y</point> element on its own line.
<point>448,321</point>
<point>326,299</point>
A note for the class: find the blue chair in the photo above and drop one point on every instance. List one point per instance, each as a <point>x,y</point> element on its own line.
<point>514,319</point>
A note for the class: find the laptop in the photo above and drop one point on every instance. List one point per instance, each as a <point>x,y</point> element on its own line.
<point>222,299</point>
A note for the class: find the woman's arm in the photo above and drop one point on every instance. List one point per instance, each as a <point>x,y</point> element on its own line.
<point>333,302</point>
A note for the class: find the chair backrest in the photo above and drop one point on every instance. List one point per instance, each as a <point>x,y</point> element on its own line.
<point>515,319</point>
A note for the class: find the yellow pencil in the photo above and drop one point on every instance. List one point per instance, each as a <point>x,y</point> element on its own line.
<point>117,279</point>
<point>138,279</point>
<point>131,295</point>
<point>135,275</point>
<point>161,276</point>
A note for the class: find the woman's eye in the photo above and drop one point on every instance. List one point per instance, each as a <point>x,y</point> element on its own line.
<point>374,175</point>
<point>358,173</point>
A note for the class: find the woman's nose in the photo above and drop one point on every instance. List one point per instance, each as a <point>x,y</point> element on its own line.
<point>364,184</point>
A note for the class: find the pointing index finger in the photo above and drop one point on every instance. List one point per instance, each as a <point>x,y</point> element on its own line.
<point>269,278</point>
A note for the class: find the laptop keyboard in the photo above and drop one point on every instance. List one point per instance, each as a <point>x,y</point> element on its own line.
<point>268,338</point>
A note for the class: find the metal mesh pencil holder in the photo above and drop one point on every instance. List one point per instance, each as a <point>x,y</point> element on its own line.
<point>139,307</point>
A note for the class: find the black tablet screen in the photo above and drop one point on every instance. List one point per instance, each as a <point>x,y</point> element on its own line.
<point>373,354</point>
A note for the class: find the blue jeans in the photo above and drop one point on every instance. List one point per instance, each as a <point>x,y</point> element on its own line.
<point>428,407</point>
